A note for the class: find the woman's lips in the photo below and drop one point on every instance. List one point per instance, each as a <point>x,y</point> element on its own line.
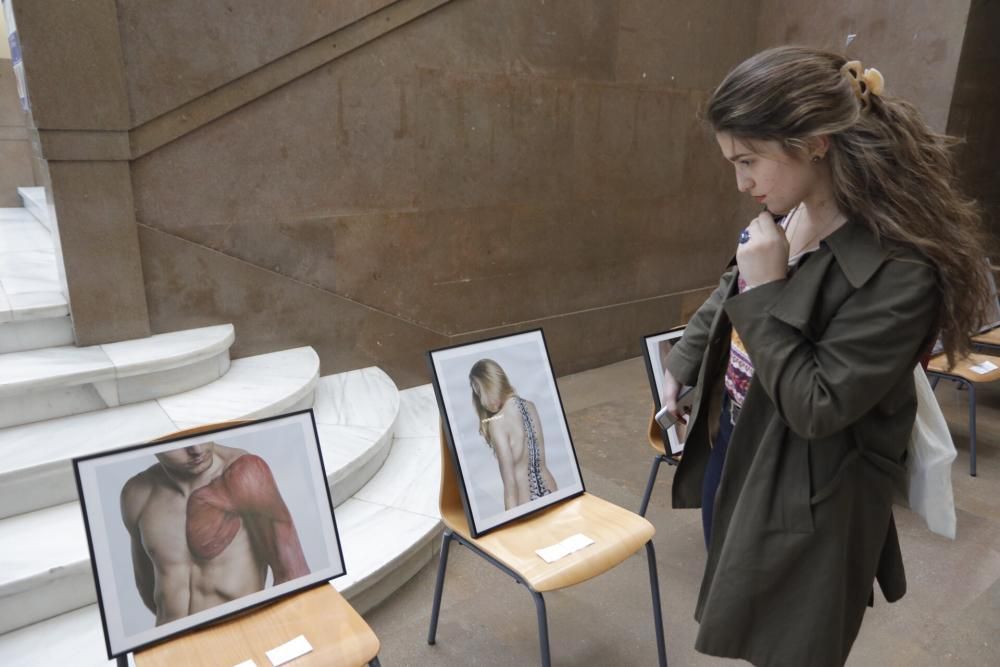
<point>195,462</point>
<point>760,199</point>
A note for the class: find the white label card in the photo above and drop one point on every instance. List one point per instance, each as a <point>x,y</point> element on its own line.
<point>247,663</point>
<point>289,651</point>
<point>984,368</point>
<point>562,549</point>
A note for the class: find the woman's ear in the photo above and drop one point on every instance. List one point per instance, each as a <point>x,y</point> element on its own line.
<point>817,147</point>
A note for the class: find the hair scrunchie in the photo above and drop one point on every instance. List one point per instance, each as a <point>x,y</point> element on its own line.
<point>865,82</point>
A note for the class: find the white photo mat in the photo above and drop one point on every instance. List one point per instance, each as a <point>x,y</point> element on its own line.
<point>525,360</point>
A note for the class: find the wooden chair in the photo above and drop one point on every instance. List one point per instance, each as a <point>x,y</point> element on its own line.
<point>617,533</point>
<point>658,443</point>
<point>989,340</point>
<point>966,378</point>
<point>340,637</point>
<point>337,633</point>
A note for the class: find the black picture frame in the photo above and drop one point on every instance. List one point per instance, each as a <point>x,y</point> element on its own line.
<point>569,466</point>
<point>84,472</point>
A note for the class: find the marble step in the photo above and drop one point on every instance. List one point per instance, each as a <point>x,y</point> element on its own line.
<point>45,565</point>
<point>36,385</point>
<point>35,459</point>
<point>388,531</point>
<point>34,201</point>
<point>356,415</point>
<point>34,312</point>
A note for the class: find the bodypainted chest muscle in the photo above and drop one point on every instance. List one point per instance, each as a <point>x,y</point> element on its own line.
<point>212,520</point>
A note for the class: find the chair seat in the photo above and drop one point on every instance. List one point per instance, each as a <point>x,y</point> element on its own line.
<point>338,634</point>
<point>962,369</point>
<point>617,534</point>
<point>991,337</point>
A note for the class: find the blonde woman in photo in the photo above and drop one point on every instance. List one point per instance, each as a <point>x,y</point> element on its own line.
<point>513,430</point>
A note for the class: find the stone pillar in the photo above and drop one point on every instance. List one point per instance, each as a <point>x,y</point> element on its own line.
<point>74,72</point>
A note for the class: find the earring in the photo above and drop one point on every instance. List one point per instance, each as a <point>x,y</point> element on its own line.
<point>816,158</point>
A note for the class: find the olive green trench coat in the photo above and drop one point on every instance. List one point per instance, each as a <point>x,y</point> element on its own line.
<point>802,522</point>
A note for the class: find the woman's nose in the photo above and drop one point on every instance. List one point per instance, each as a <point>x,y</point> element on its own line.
<point>743,184</point>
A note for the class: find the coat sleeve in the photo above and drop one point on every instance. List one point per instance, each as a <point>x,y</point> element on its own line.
<point>823,386</point>
<point>684,359</point>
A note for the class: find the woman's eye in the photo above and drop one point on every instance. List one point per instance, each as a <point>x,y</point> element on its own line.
<point>746,163</point>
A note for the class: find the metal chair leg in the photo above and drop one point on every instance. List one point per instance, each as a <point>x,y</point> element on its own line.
<point>439,586</point>
<point>934,380</point>
<point>972,429</point>
<point>654,585</point>
<point>543,628</point>
<point>657,460</point>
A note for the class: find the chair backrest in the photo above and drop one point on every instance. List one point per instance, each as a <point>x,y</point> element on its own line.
<point>195,430</point>
<point>656,435</point>
<point>993,312</point>
<point>450,498</point>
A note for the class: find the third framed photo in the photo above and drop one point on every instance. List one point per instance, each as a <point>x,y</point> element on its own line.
<point>655,349</point>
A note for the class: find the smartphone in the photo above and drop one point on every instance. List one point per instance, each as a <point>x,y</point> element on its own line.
<point>684,401</point>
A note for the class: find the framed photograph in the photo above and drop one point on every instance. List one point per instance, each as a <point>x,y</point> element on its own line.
<point>655,349</point>
<point>191,530</point>
<point>506,428</point>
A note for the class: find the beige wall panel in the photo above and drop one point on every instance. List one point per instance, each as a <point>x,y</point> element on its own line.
<point>530,38</point>
<point>191,286</point>
<point>684,44</point>
<point>176,51</point>
<point>459,200</point>
<point>462,181</point>
<point>914,43</point>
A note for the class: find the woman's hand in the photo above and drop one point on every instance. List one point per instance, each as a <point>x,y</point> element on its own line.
<point>671,388</point>
<point>763,257</point>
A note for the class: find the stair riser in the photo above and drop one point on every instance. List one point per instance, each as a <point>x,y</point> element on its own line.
<point>72,590</point>
<point>23,335</point>
<point>37,207</point>
<point>34,488</point>
<point>23,406</point>
<point>345,484</point>
<point>367,594</point>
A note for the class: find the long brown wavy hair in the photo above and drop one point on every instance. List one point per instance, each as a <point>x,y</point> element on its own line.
<point>493,381</point>
<point>890,170</point>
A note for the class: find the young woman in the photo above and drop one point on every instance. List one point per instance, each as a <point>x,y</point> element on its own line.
<point>804,355</point>
<point>511,427</point>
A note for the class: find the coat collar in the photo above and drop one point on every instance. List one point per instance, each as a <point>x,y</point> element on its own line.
<point>858,252</point>
<point>853,248</point>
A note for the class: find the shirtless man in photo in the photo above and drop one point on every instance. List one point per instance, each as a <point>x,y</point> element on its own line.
<point>206,522</point>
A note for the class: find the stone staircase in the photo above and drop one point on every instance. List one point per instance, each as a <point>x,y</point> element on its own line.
<point>34,312</point>
<point>380,447</point>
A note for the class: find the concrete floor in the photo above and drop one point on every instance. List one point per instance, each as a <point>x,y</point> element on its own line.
<point>950,616</point>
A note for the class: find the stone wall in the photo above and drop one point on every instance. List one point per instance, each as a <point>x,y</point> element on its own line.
<point>378,177</point>
<point>975,110</point>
